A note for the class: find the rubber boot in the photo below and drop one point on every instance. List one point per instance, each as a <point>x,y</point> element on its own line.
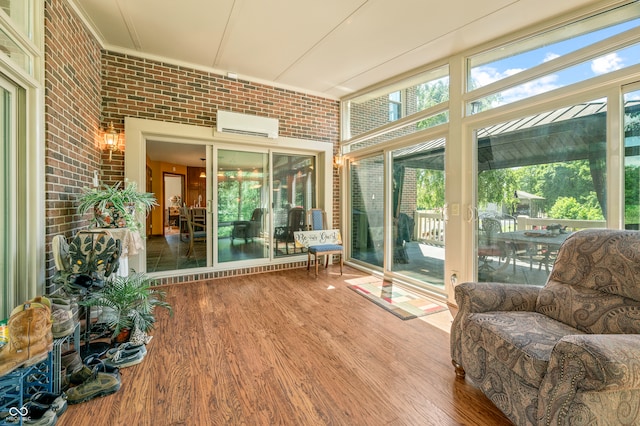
<point>30,337</point>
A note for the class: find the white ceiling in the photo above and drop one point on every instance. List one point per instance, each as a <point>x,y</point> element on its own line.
<point>329,47</point>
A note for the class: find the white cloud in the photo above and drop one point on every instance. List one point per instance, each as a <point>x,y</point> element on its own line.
<point>607,63</point>
<point>532,88</point>
<point>549,56</point>
<point>485,75</point>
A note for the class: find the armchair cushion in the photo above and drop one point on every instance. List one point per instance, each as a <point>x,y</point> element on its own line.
<point>521,341</point>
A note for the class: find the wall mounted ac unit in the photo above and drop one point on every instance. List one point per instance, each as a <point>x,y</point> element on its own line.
<point>244,124</point>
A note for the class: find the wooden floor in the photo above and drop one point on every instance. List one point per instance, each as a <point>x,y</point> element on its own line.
<point>284,348</point>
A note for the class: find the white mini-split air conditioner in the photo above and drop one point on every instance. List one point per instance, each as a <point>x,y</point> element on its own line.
<point>245,124</point>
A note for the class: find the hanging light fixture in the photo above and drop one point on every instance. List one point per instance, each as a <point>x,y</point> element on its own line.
<point>203,174</point>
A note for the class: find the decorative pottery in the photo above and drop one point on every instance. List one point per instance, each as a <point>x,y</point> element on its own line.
<point>110,217</point>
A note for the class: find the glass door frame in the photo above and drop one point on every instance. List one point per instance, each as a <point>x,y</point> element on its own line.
<point>137,132</point>
<point>386,268</point>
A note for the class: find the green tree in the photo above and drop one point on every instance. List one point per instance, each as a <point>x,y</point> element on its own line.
<point>558,180</point>
<point>428,95</point>
<point>571,208</point>
<point>430,191</point>
<point>497,186</point>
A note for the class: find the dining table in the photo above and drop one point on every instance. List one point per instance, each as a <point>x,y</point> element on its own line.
<point>534,243</point>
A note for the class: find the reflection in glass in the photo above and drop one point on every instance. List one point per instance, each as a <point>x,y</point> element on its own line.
<point>383,106</point>
<point>418,204</point>
<point>17,54</point>
<point>242,205</point>
<point>632,160</point>
<point>367,197</point>
<point>539,179</point>
<point>294,192</point>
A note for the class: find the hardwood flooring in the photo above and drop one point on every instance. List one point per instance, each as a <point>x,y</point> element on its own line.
<point>285,348</point>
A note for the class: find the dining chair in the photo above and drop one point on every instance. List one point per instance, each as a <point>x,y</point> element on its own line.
<point>316,221</point>
<point>196,221</point>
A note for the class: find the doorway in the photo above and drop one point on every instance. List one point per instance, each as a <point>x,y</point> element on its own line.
<point>173,194</point>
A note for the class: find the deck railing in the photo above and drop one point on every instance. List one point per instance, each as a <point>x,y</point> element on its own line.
<point>429,227</point>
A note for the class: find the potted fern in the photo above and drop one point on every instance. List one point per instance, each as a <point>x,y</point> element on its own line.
<point>116,207</point>
<point>131,301</point>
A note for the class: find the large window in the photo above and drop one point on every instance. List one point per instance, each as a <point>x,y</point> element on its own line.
<point>7,201</point>
<point>554,59</point>
<point>538,181</point>
<point>369,113</point>
<point>632,160</point>
<point>21,153</point>
<point>519,179</point>
<point>510,59</point>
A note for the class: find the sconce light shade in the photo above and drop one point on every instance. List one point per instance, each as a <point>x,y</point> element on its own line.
<point>111,140</point>
<point>337,161</point>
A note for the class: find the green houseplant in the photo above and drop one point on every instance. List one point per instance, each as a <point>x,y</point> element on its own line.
<point>116,207</point>
<point>132,301</point>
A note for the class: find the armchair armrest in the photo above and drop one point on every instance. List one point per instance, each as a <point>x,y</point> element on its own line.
<point>600,368</point>
<point>473,297</point>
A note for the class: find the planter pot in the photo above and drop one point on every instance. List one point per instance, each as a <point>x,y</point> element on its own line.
<point>110,217</point>
<point>123,336</point>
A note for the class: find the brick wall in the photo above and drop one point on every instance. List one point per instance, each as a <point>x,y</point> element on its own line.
<point>86,88</point>
<point>72,117</point>
<point>142,88</point>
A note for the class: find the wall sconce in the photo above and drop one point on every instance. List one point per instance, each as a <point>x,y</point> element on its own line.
<point>111,140</point>
<point>338,161</point>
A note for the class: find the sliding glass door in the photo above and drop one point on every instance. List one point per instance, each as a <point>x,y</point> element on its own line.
<point>418,236</point>
<point>225,212</point>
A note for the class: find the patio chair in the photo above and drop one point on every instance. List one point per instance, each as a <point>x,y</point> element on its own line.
<point>488,245</point>
<point>295,222</point>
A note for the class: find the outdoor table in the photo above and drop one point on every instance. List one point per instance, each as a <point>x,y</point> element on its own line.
<point>514,240</point>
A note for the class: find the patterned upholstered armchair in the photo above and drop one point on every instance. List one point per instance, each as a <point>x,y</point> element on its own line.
<point>566,353</point>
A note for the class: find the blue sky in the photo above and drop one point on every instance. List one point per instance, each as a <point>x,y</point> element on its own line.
<point>494,71</point>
